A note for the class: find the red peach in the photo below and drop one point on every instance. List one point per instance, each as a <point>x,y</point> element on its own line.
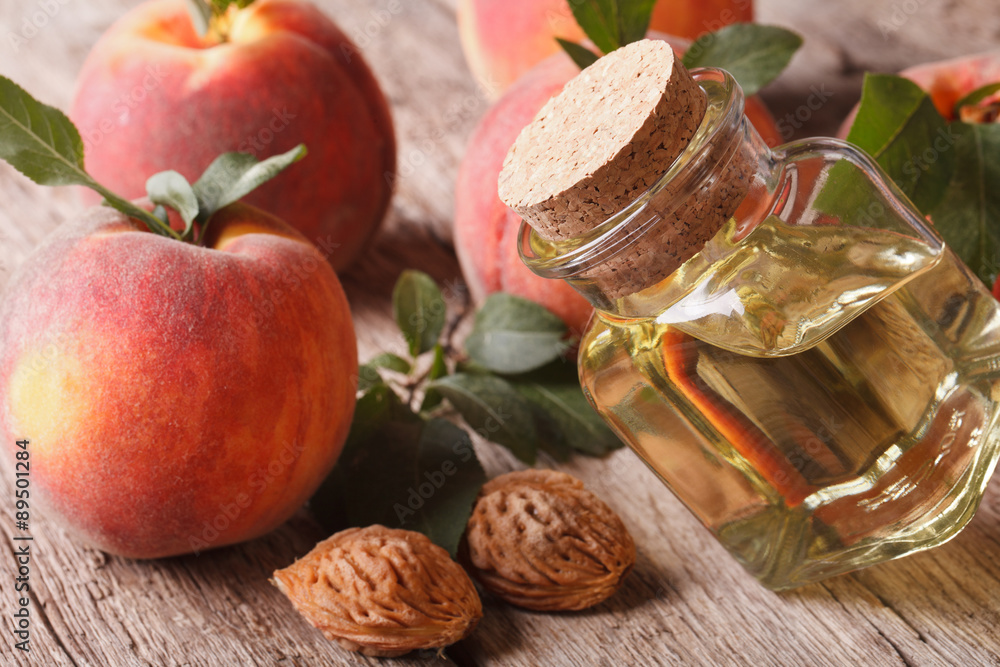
<point>689,19</point>
<point>949,81</point>
<point>503,39</point>
<point>486,230</point>
<point>153,95</point>
<point>176,397</point>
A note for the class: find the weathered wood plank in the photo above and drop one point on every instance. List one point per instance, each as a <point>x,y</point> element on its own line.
<point>846,38</point>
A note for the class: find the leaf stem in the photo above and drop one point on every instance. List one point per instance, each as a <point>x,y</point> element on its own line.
<point>201,15</point>
<point>213,19</point>
<point>452,326</point>
<point>128,208</point>
<point>412,386</point>
<point>199,236</point>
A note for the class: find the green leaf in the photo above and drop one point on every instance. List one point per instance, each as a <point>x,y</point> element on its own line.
<point>160,214</point>
<point>754,54</point>
<point>377,406</point>
<point>899,127</point>
<point>402,472</point>
<point>432,399</point>
<point>220,6</point>
<point>494,409</point>
<point>201,14</point>
<point>231,176</point>
<point>169,188</point>
<point>610,23</point>
<point>968,216</point>
<point>470,367</point>
<point>439,367</point>
<point>600,22</point>
<point>976,96</point>
<point>419,309</point>
<point>571,416</point>
<point>515,335</point>
<point>581,55</point>
<point>371,471</point>
<point>447,462</point>
<point>44,145</point>
<point>155,224</point>
<point>393,362</point>
<point>633,19</point>
<point>550,438</point>
<point>39,140</point>
<point>368,375</point>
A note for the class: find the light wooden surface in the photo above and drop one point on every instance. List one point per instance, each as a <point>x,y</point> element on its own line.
<point>686,603</point>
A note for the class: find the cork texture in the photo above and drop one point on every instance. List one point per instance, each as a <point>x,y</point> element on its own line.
<point>605,139</point>
<point>609,136</point>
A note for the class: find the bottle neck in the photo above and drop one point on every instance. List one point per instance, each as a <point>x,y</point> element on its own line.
<point>627,265</point>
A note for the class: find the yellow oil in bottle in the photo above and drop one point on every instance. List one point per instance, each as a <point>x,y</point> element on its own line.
<point>828,401</point>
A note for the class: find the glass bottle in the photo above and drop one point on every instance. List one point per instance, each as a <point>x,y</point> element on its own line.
<point>819,384</point>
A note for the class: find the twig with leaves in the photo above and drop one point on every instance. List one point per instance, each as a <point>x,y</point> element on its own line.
<point>44,145</point>
<point>405,464</point>
<point>514,384</point>
<point>754,54</point>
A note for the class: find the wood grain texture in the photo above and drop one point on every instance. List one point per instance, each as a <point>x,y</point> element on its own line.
<point>687,602</point>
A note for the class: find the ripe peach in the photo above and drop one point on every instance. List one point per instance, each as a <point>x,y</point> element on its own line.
<point>486,230</point>
<point>176,397</point>
<point>153,95</point>
<point>503,39</point>
<point>691,18</point>
<point>947,81</point>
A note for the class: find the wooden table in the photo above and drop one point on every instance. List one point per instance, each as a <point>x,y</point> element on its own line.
<point>686,602</point>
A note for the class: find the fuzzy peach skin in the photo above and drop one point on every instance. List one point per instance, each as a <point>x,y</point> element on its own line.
<point>176,398</point>
<point>152,95</point>
<point>503,39</point>
<point>486,230</point>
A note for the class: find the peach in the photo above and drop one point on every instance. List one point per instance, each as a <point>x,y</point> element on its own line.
<point>176,397</point>
<point>503,39</point>
<point>486,230</point>
<point>153,95</point>
<point>947,81</point>
<point>691,18</point>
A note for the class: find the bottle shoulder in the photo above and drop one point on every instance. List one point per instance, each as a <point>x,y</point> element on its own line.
<point>830,238</point>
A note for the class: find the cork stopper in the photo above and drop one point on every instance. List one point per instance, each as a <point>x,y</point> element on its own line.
<point>610,135</point>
